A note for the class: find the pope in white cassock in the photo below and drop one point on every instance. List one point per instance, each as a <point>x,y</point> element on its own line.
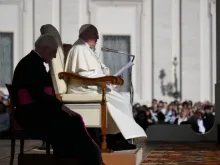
<point>83,60</point>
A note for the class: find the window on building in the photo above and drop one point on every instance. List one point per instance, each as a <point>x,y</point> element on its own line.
<point>116,61</point>
<point>6,58</point>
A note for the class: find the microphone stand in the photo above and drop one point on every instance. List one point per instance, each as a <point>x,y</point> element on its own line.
<point>132,60</point>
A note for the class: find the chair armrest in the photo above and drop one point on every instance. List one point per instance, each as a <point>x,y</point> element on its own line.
<point>102,81</point>
<point>107,79</point>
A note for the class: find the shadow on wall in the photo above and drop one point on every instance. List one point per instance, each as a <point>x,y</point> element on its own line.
<point>178,116</point>
<point>170,88</point>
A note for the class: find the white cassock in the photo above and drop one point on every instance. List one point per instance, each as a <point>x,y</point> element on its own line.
<point>83,61</point>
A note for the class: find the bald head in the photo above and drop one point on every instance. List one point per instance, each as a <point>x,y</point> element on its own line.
<point>89,34</point>
<point>46,46</point>
<point>46,41</point>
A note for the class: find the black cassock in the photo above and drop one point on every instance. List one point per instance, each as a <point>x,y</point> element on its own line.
<point>40,113</point>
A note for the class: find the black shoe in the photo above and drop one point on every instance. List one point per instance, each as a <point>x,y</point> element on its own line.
<point>42,147</point>
<point>118,143</point>
<point>123,146</point>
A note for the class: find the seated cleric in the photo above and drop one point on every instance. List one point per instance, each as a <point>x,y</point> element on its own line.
<point>83,60</point>
<point>41,114</point>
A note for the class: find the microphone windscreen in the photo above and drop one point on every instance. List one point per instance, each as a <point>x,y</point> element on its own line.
<point>105,49</point>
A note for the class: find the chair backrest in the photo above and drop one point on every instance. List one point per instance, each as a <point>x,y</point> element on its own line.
<point>66,49</point>
<point>57,65</point>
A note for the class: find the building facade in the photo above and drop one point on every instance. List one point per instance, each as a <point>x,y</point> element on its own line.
<point>173,41</point>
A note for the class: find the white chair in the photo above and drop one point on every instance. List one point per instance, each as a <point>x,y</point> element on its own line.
<point>92,107</point>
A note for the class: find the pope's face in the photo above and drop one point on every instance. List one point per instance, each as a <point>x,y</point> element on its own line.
<point>92,39</point>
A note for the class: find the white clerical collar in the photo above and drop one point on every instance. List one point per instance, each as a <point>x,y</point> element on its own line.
<point>45,64</point>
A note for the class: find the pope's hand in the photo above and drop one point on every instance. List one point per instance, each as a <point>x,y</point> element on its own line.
<point>107,71</point>
<point>120,76</point>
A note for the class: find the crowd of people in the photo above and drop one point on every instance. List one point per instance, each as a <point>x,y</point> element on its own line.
<point>199,115</point>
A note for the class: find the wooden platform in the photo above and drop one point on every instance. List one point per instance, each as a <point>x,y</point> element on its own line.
<point>126,157</point>
<point>30,144</point>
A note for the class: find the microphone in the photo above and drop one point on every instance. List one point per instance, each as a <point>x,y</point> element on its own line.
<point>104,49</point>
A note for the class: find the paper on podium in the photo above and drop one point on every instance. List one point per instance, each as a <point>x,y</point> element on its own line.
<point>128,65</point>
